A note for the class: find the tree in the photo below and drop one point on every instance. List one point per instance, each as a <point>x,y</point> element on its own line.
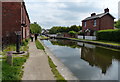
<point>35,28</point>
<point>75,28</point>
<point>53,30</point>
<point>117,24</point>
<point>60,29</point>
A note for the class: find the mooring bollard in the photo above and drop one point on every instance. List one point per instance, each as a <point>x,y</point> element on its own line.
<point>9,58</point>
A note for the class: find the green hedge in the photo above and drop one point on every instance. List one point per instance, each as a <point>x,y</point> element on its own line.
<point>109,35</point>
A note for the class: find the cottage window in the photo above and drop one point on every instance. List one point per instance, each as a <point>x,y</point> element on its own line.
<point>95,23</point>
<point>85,24</point>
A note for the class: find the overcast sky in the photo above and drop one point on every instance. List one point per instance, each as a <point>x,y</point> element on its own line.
<point>50,13</point>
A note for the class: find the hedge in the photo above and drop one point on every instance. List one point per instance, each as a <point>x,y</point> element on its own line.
<point>109,35</point>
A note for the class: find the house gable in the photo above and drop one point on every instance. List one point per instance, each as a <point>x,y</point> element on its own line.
<point>106,22</point>
<point>97,22</point>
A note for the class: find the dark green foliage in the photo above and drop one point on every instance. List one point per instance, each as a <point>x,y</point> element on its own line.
<point>75,28</point>
<point>25,42</point>
<point>109,35</point>
<point>80,33</point>
<point>13,72</point>
<point>39,45</point>
<point>35,28</point>
<point>117,24</point>
<point>59,29</point>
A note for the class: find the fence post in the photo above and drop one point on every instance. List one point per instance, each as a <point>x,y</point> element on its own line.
<point>9,58</point>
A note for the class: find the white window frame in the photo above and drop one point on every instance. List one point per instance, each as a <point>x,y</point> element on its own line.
<point>95,22</point>
<point>85,24</point>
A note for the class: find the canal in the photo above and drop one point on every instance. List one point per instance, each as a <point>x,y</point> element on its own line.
<point>86,61</point>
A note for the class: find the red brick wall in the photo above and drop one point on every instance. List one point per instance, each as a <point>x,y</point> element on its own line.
<point>11,20</point>
<point>27,28</point>
<point>107,22</point>
<point>25,19</point>
<point>89,25</point>
<point>0,24</point>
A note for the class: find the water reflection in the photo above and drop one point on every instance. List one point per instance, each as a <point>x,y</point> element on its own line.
<point>86,60</point>
<point>64,43</point>
<point>94,58</point>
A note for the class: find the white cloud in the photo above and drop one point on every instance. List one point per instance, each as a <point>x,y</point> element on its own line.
<point>50,13</point>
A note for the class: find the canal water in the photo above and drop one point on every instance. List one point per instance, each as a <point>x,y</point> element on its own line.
<point>86,61</point>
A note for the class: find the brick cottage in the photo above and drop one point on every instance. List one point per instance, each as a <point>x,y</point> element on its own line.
<point>97,22</point>
<point>14,18</point>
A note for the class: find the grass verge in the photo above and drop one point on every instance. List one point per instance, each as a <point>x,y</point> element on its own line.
<point>101,41</point>
<point>58,76</point>
<point>13,72</point>
<point>39,45</point>
<point>43,37</point>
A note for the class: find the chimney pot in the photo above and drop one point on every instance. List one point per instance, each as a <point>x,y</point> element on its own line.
<point>106,10</point>
<point>93,14</point>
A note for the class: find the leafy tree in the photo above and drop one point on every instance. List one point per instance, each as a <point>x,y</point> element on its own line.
<point>117,25</point>
<point>60,29</point>
<point>53,30</point>
<point>35,28</point>
<point>75,28</point>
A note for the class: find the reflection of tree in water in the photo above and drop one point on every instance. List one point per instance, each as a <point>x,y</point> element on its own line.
<point>95,56</point>
<point>67,43</point>
<point>99,57</point>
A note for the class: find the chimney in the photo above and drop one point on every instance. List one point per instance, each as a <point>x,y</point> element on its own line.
<point>106,10</point>
<point>93,14</point>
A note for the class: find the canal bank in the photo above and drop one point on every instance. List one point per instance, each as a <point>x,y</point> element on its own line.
<point>63,70</point>
<point>90,42</point>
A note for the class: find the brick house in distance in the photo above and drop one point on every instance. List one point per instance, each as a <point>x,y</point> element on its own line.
<point>14,19</point>
<point>97,22</point>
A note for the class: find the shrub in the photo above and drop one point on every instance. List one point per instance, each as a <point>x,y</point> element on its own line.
<point>72,32</point>
<point>25,42</point>
<point>80,33</point>
<point>109,35</point>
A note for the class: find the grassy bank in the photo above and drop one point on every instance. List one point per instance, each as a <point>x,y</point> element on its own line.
<point>58,76</point>
<point>100,41</point>
<point>39,45</point>
<point>14,72</point>
<point>43,37</point>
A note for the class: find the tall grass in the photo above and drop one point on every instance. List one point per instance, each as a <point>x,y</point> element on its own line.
<point>13,72</point>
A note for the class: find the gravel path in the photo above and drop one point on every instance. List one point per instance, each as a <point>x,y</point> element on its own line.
<point>37,66</point>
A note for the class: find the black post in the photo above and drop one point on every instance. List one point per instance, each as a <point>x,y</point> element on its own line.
<point>18,44</point>
<point>84,35</point>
